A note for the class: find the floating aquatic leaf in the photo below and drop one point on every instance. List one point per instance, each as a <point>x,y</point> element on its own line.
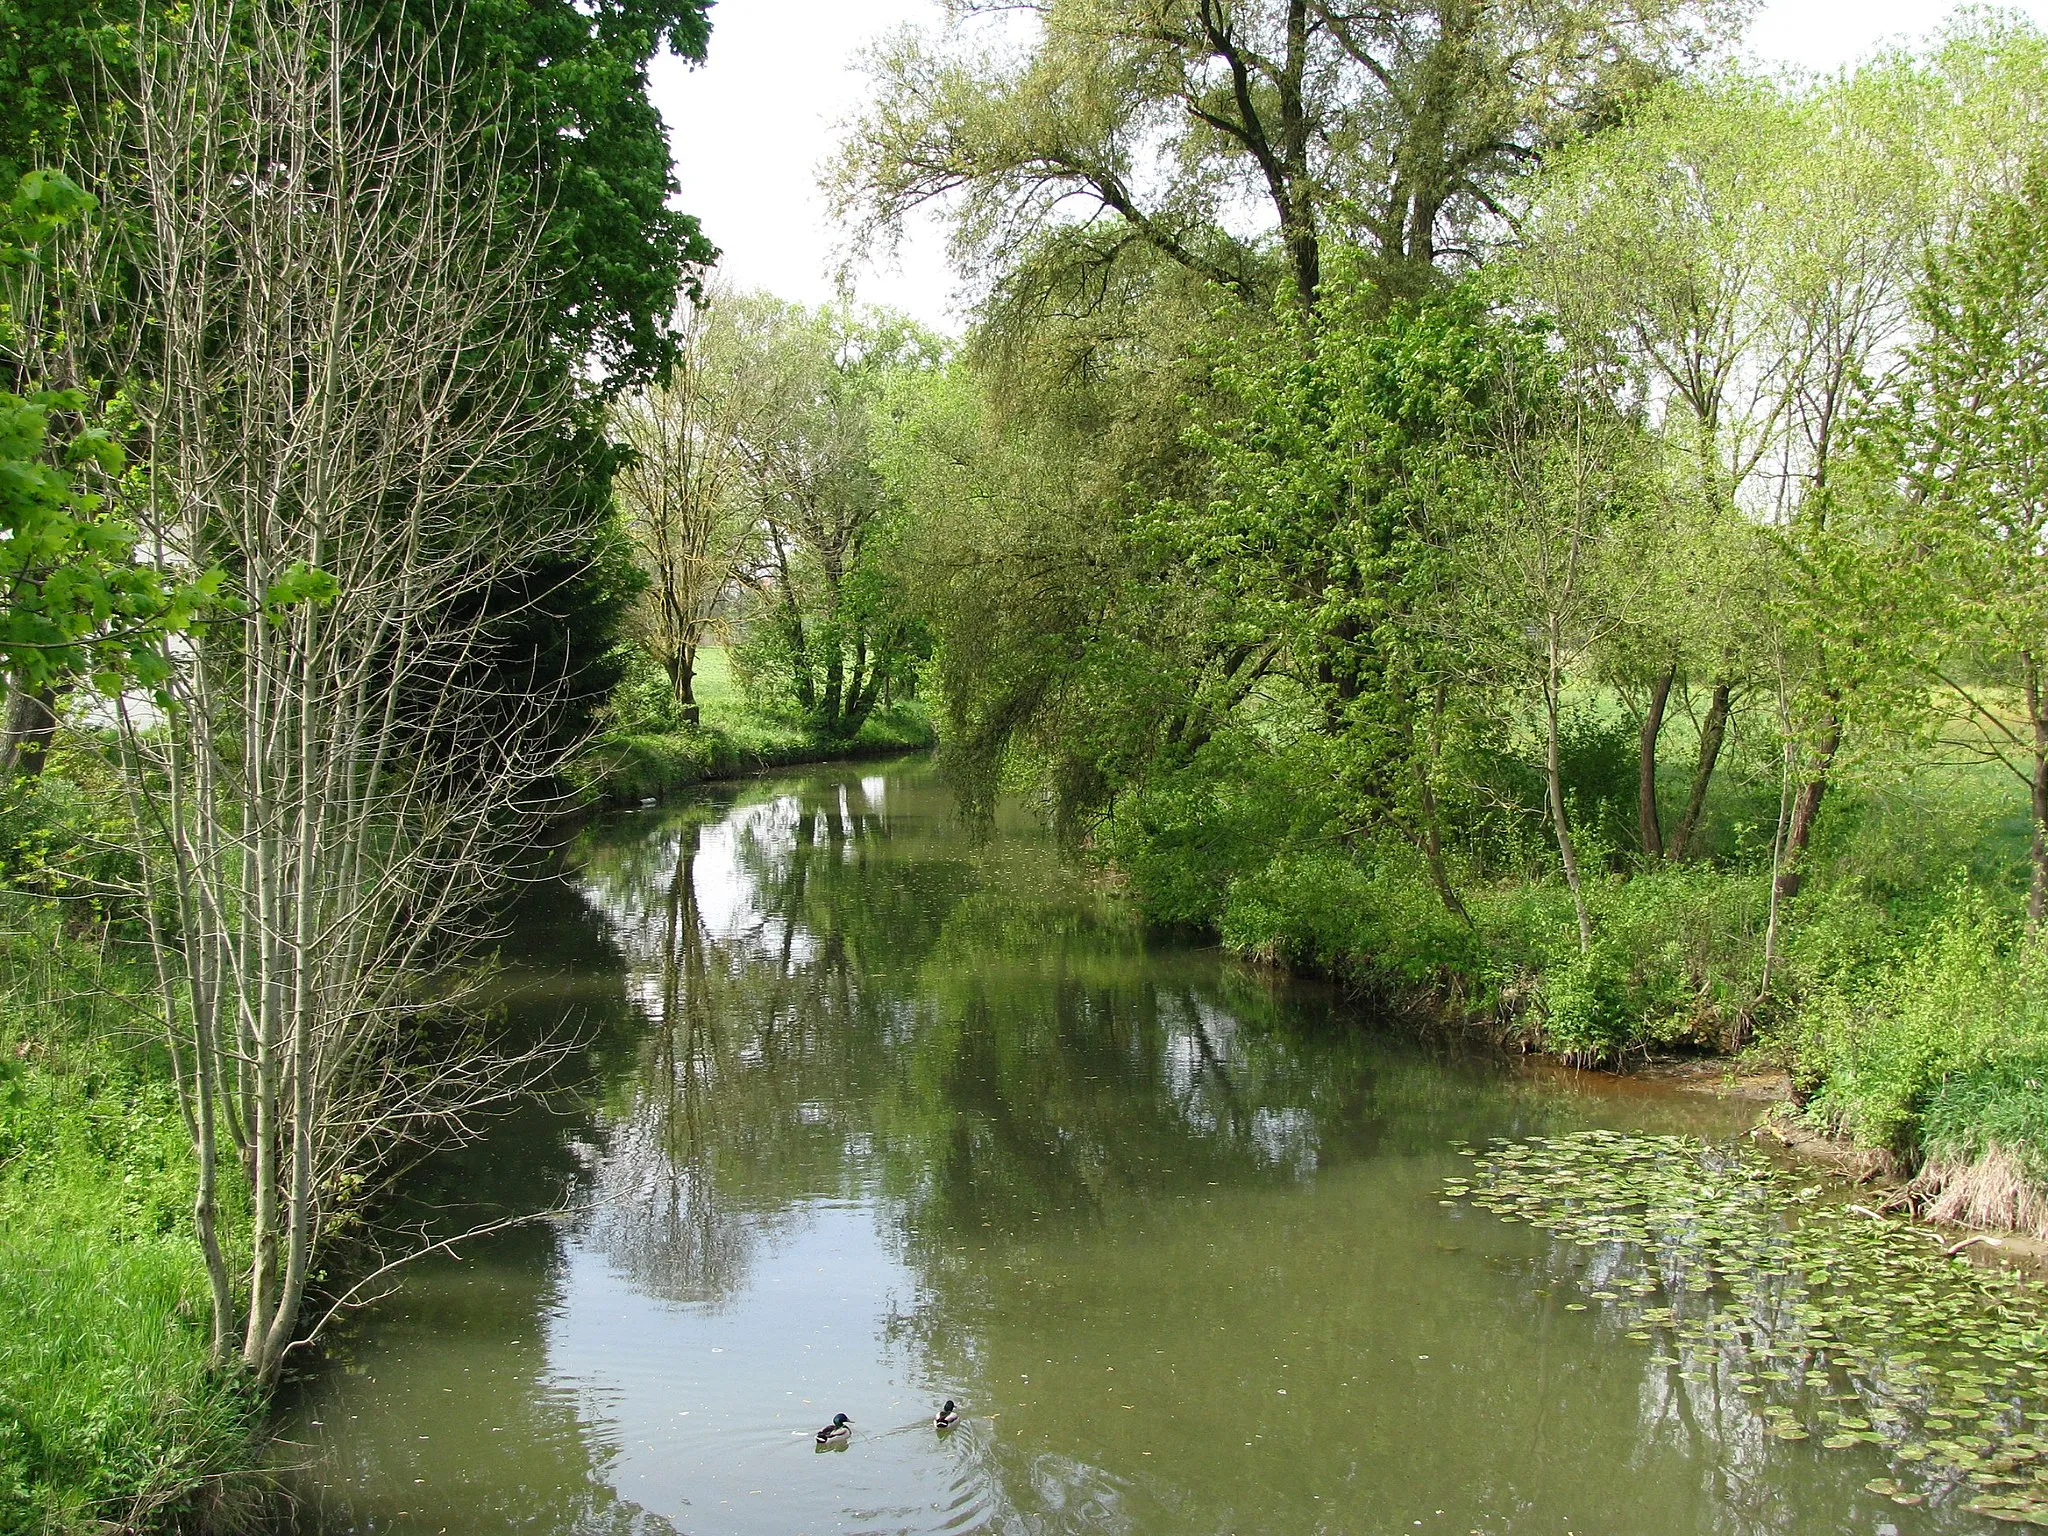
<point>1798,1299</point>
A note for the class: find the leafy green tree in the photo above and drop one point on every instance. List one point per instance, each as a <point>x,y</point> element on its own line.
<point>569,80</point>
<point>1741,253</point>
<point>1332,447</point>
<point>52,53</point>
<point>1972,431</point>
<point>76,598</point>
<point>836,628</point>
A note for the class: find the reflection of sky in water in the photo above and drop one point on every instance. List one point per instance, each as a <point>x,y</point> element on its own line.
<point>711,1409</point>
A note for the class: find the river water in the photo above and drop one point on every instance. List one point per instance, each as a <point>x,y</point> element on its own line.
<point>869,1112</point>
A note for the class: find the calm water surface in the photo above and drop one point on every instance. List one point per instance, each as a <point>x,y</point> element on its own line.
<point>873,1114</point>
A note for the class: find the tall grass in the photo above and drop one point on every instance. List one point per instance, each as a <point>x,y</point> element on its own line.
<point>109,1416</point>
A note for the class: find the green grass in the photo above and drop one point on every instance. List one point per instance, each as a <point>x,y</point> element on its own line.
<point>646,756</point>
<point>109,1416</point>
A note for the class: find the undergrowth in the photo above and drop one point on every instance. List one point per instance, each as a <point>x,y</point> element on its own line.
<point>109,1416</point>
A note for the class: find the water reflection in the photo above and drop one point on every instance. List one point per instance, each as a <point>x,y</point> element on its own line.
<point>887,1115</point>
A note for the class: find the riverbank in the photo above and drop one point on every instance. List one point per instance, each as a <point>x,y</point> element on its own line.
<point>109,1416</point>
<point>648,753</point>
<point>1907,1005</point>
<point>1873,1174</point>
<point>625,770</point>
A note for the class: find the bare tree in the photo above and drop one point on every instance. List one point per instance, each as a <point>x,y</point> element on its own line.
<point>344,348</point>
<point>686,493</point>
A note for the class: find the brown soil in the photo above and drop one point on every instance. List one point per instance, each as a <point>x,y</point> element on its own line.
<point>1723,1078</point>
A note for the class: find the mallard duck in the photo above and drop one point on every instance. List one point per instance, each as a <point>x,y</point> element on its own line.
<point>946,1417</point>
<point>838,1432</point>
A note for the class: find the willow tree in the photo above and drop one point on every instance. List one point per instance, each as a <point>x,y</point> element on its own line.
<point>1161,123</point>
<point>344,317</point>
<point>1142,188</point>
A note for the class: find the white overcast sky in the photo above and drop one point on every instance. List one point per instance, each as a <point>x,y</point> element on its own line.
<point>750,128</point>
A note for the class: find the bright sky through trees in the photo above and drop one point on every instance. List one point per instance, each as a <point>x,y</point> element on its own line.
<point>751,128</point>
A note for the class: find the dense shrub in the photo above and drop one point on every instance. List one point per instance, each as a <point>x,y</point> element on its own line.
<point>1960,996</point>
<point>1674,961</point>
<point>1376,920</point>
<point>1185,837</point>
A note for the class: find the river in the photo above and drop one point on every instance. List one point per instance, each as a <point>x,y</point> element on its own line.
<point>868,1112</point>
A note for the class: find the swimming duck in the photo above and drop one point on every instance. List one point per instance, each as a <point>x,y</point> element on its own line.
<point>838,1432</point>
<point>946,1417</point>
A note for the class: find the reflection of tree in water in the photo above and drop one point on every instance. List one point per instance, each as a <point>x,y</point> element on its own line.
<point>845,1001</point>
<point>842,993</point>
<point>533,1460</point>
<point>657,1215</point>
<point>750,939</point>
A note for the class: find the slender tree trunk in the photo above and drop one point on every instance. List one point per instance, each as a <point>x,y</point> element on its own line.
<point>682,677</point>
<point>28,728</point>
<point>1649,828</point>
<point>793,625</point>
<point>1713,730</point>
<point>1554,775</point>
<point>1786,748</point>
<point>832,713</point>
<point>1433,847</point>
<point>1806,811</point>
<point>2037,896</point>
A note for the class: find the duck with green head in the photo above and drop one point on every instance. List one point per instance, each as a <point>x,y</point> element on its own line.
<point>838,1432</point>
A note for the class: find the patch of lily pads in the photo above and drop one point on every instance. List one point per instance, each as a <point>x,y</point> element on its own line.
<point>1832,1324</point>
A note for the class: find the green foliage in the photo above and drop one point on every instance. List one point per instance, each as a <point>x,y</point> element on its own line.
<point>830,631</point>
<point>73,595</point>
<point>1963,995</point>
<point>48,49</point>
<point>1186,837</point>
<point>1674,961</point>
<point>1375,921</point>
<point>1999,1105</point>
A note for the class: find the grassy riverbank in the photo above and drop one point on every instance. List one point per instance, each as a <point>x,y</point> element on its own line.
<point>1907,1003</point>
<point>648,753</point>
<point>109,1418</point>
